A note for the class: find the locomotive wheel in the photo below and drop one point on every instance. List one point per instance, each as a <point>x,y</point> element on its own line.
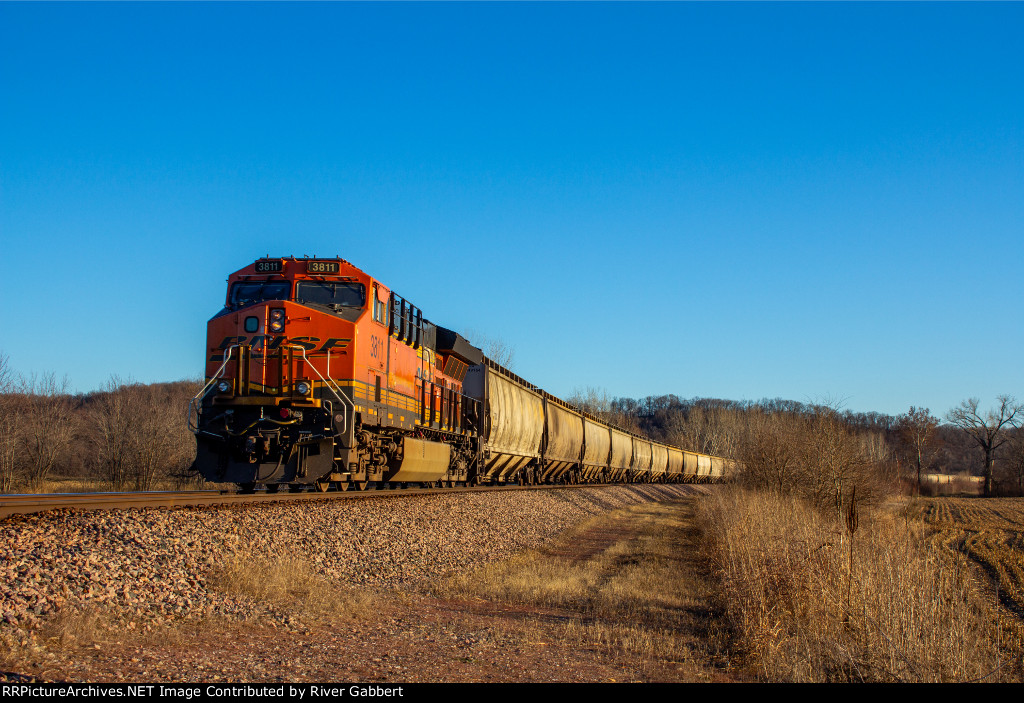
<point>295,487</point>
<point>247,487</point>
<point>273,487</point>
<point>322,486</point>
<point>360,485</point>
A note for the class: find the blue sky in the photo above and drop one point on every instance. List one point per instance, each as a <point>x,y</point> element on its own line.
<point>741,200</point>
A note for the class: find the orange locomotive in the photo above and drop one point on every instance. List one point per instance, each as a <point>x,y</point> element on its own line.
<point>319,375</point>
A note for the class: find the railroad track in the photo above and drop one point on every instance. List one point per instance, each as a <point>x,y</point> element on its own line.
<point>37,503</point>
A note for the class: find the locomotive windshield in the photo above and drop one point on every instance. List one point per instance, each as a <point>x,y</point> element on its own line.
<point>247,293</point>
<point>332,294</point>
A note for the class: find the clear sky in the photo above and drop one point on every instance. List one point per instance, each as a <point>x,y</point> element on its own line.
<point>732,200</point>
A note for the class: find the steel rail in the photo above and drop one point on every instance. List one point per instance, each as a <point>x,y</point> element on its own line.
<point>37,503</point>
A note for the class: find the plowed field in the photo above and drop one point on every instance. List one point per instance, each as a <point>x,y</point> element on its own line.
<point>988,530</point>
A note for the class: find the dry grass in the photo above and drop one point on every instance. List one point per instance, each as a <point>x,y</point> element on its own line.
<point>75,628</point>
<point>95,485</point>
<point>907,610</point>
<point>635,596</point>
<point>66,629</point>
<point>288,584</point>
<point>63,634</point>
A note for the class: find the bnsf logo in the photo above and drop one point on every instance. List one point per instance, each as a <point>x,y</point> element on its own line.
<point>262,342</point>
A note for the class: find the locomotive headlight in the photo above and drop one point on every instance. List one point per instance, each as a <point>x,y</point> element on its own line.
<point>302,387</point>
<point>223,387</point>
<point>276,320</point>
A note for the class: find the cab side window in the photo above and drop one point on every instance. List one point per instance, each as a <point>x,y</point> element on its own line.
<point>380,308</point>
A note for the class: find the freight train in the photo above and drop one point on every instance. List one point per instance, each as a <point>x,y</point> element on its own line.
<point>321,376</point>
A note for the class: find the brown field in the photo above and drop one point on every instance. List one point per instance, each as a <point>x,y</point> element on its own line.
<point>989,531</point>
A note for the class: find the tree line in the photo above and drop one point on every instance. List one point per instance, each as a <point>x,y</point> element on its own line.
<point>127,435</point>
<point>133,436</point>
<point>823,451</point>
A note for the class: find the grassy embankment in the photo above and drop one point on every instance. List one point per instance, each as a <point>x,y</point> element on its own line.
<point>627,584</point>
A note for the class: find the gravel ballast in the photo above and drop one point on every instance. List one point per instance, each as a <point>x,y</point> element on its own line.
<point>153,565</point>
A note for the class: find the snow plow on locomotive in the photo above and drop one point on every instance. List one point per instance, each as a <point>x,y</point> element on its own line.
<point>319,375</point>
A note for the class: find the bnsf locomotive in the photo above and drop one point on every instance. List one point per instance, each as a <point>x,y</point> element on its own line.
<point>320,375</point>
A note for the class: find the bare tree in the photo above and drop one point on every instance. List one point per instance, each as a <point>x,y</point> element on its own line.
<point>595,401</point>
<point>769,453</point>
<point>139,434</point>
<point>112,416</point>
<point>683,429</point>
<point>10,426</point>
<point>814,451</point>
<point>881,457</point>
<point>989,431</point>
<point>502,352</point>
<point>495,348</point>
<point>153,435</point>
<point>698,429</point>
<point>916,428</point>
<point>834,459</point>
<point>6,377</point>
<point>49,426</point>
<point>721,435</point>
<point>181,444</point>
<point>1016,460</point>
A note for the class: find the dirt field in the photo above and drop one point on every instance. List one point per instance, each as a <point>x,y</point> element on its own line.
<point>988,530</point>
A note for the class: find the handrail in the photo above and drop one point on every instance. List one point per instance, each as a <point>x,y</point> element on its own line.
<point>195,427</point>
<point>331,385</point>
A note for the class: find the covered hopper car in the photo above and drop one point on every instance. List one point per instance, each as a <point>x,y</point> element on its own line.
<point>319,375</point>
